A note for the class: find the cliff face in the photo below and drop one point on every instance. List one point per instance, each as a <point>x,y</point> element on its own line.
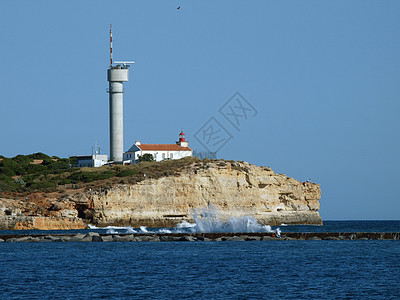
<point>234,189</point>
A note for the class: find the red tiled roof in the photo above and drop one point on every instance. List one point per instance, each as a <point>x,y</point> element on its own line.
<point>162,147</point>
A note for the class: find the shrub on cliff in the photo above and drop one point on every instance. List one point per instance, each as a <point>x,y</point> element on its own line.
<point>10,167</point>
<point>58,166</point>
<point>104,175</point>
<point>36,169</point>
<point>6,185</point>
<point>39,155</point>
<point>146,157</point>
<point>22,160</point>
<point>43,185</point>
<point>127,172</point>
<point>65,181</point>
<point>89,176</point>
<point>5,178</point>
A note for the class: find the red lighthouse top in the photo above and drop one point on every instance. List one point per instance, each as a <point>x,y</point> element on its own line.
<point>181,136</point>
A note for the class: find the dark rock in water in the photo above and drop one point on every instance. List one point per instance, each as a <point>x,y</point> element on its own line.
<point>168,238</point>
<point>268,238</point>
<point>24,239</point>
<point>93,234</point>
<point>107,238</point>
<point>33,239</point>
<point>253,238</point>
<point>233,239</point>
<point>79,235</point>
<point>76,238</point>
<point>42,240</point>
<point>97,239</point>
<point>187,238</point>
<point>125,238</point>
<point>331,238</point>
<point>204,239</point>
<point>66,238</point>
<point>87,238</point>
<point>12,240</point>
<point>51,239</point>
<point>149,238</point>
<point>152,237</point>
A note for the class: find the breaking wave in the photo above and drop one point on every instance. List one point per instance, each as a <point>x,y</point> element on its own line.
<point>206,220</point>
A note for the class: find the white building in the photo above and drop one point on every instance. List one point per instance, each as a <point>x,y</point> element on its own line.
<point>159,151</point>
<point>94,160</point>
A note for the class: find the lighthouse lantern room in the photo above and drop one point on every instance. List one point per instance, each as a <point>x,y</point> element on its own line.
<point>182,141</point>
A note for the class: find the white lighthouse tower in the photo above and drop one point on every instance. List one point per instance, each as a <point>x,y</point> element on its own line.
<point>116,75</point>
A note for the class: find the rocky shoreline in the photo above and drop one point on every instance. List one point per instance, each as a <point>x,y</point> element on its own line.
<point>199,237</point>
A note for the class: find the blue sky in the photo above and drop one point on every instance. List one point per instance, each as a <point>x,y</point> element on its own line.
<point>323,77</point>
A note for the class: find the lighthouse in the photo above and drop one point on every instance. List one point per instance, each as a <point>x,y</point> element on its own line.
<point>182,140</point>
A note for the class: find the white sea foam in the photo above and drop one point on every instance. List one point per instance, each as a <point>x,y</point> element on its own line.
<point>130,230</point>
<point>185,224</point>
<point>278,232</point>
<point>207,220</point>
<point>143,229</point>
<point>114,229</point>
<point>164,230</point>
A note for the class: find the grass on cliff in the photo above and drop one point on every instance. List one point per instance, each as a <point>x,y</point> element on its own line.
<point>39,172</point>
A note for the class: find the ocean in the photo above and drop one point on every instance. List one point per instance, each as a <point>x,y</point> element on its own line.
<point>358,269</point>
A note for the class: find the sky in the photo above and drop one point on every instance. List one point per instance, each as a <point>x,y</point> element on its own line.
<point>308,88</point>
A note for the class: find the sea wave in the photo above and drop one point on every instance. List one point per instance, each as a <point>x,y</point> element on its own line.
<point>206,220</point>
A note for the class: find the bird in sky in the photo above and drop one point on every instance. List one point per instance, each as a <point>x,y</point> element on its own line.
<point>179,7</point>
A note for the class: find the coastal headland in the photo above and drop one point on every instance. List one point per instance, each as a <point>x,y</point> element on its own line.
<point>164,194</point>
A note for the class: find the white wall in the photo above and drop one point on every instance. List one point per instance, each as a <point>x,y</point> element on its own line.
<point>158,155</point>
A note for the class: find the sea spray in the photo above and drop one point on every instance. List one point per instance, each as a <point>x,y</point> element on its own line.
<point>206,220</point>
<point>143,229</point>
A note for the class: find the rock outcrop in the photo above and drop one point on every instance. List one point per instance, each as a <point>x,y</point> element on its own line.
<point>235,189</point>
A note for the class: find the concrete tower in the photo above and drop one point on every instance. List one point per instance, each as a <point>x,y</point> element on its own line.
<point>116,75</point>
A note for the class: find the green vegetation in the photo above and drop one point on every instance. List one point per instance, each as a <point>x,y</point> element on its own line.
<point>40,172</point>
<point>146,157</point>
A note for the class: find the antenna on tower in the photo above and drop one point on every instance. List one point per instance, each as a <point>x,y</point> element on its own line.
<point>111,58</point>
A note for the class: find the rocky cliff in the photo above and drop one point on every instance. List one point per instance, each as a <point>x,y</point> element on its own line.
<point>234,188</point>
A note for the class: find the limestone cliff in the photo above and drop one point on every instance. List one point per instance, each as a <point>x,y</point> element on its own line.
<point>234,188</point>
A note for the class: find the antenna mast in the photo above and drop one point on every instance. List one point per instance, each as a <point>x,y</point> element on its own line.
<point>111,58</point>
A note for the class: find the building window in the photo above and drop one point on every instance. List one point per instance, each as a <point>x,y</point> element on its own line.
<point>171,155</point>
<point>163,155</point>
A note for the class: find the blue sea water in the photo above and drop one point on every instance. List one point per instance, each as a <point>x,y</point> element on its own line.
<point>201,270</point>
<point>359,269</point>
